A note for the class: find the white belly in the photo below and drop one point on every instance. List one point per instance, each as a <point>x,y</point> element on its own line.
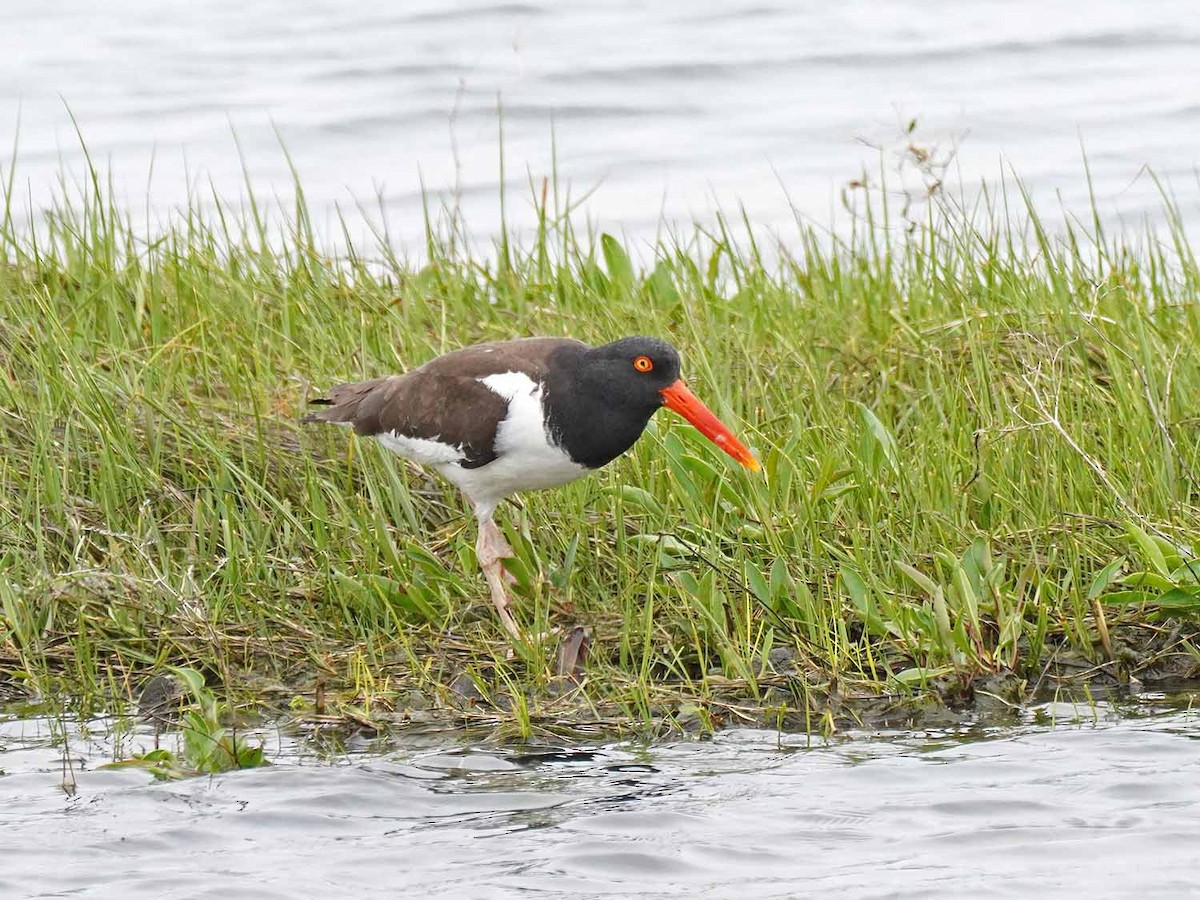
<point>421,450</point>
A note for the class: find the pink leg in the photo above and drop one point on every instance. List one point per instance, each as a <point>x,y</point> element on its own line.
<point>498,546</point>
<point>491,548</point>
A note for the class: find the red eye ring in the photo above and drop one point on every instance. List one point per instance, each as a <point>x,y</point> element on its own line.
<point>643,363</point>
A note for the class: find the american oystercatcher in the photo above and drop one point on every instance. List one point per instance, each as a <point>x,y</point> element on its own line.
<point>494,419</point>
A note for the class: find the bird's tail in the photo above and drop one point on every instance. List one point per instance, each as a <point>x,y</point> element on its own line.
<point>341,405</point>
<point>321,415</point>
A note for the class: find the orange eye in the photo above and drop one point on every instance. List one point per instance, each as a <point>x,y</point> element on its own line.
<point>643,364</point>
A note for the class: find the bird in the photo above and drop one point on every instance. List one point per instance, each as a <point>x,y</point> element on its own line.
<point>499,418</point>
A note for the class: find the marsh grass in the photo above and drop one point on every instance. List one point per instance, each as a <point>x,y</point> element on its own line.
<point>978,434</point>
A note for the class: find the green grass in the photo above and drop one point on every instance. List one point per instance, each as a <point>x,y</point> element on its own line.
<point>980,444</point>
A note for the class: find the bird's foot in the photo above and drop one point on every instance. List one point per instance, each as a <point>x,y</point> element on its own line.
<point>492,547</point>
<point>492,542</point>
<point>494,575</point>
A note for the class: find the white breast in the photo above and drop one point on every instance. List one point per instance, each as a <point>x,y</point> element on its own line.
<point>528,459</point>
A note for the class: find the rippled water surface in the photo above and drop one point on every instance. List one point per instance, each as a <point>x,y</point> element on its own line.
<point>665,108</point>
<point>1096,806</point>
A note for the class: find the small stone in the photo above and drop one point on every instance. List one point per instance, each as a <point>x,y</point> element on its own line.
<point>464,687</point>
<point>782,659</point>
<point>159,698</point>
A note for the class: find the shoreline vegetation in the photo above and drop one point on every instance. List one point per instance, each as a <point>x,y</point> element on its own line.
<point>980,440</point>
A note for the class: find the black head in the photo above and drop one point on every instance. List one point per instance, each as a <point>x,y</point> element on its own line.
<point>601,398</point>
<point>633,371</point>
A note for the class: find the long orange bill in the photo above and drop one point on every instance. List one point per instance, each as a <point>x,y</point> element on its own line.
<point>688,405</point>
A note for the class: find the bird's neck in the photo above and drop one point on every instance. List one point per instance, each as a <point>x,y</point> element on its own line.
<point>583,419</point>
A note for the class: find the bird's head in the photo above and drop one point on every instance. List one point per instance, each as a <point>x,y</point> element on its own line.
<point>643,372</point>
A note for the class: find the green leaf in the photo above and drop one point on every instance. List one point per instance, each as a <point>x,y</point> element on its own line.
<point>713,269</point>
<point>161,763</point>
<point>1188,573</point>
<point>620,269</point>
<point>977,561</point>
<point>193,681</point>
<point>756,582</point>
<point>1129,598</point>
<point>941,615</point>
<point>251,757</point>
<point>1180,600</point>
<point>595,279</point>
<point>860,597</point>
<point>391,592</point>
<point>879,434</point>
<point>781,579</point>
<point>1149,579</point>
<point>683,480</point>
<point>923,582</point>
<point>1105,577</point>
<point>859,593</point>
<point>1151,553</point>
<point>688,582</point>
<point>1171,553</point>
<point>668,542</point>
<point>831,482</point>
<point>661,285</point>
<point>636,497</point>
<point>920,675</point>
<point>966,594</point>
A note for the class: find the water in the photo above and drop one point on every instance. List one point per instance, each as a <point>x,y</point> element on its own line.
<point>664,109</point>
<point>1101,805</point>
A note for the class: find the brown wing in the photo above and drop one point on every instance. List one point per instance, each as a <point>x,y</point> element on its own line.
<point>443,400</point>
<point>528,355</point>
